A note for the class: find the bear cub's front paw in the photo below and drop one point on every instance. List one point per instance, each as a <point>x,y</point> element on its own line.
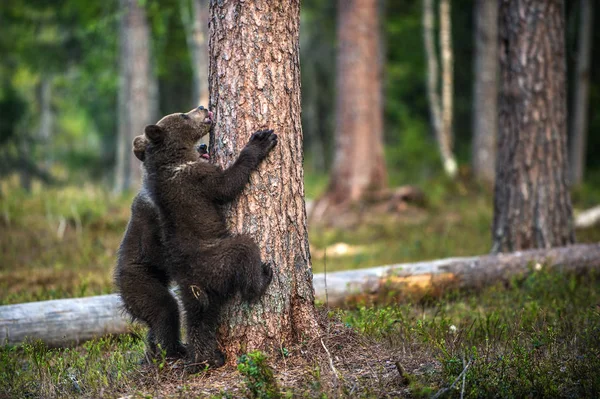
<point>267,274</point>
<point>263,141</point>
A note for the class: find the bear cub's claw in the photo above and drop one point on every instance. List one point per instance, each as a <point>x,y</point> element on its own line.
<point>265,140</point>
<point>267,273</point>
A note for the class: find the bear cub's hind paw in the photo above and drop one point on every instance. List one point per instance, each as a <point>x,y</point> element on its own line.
<point>194,366</point>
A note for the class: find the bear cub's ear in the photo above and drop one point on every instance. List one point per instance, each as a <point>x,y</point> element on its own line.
<point>154,133</point>
<point>139,147</point>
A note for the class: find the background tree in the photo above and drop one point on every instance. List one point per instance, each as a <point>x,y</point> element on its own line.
<point>254,76</point>
<point>135,101</point>
<point>579,117</point>
<point>317,55</point>
<point>485,90</point>
<point>359,165</point>
<point>441,111</point>
<point>532,205</point>
<point>194,15</point>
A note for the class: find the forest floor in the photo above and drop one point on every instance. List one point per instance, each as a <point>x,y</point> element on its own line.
<point>538,336</point>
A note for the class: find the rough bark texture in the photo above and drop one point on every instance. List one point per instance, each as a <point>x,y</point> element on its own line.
<point>579,118</point>
<point>359,166</point>
<point>485,91</point>
<point>532,205</point>
<point>254,81</point>
<point>134,98</point>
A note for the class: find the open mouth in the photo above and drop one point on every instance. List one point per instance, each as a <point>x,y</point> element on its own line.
<point>209,117</point>
<point>203,151</point>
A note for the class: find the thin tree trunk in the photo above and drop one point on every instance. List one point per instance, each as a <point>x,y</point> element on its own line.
<point>579,118</point>
<point>441,119</point>
<point>532,205</point>
<point>485,91</point>
<point>46,116</point>
<point>194,15</point>
<point>446,136</point>
<point>435,107</point>
<point>134,98</point>
<point>121,164</point>
<point>140,103</point>
<point>254,80</point>
<point>359,165</point>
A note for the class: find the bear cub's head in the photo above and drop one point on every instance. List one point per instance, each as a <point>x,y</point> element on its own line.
<point>179,131</point>
<point>140,143</point>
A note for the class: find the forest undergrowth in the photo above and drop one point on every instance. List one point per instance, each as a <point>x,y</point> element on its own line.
<point>538,336</point>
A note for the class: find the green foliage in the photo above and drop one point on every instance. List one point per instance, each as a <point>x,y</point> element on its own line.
<point>258,376</point>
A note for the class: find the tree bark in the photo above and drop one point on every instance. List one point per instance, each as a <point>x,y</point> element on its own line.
<point>254,82</point>
<point>532,205</point>
<point>359,164</point>
<point>135,100</point>
<point>579,118</point>
<point>485,91</point>
<point>194,15</point>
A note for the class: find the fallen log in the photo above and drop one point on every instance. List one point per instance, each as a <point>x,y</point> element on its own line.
<point>62,322</point>
<point>67,321</point>
<point>465,272</point>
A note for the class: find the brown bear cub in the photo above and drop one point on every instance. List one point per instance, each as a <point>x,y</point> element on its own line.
<point>209,264</point>
<point>142,277</point>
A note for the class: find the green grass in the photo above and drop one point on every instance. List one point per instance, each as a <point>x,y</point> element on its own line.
<point>536,338</point>
<point>104,365</point>
<point>59,243</point>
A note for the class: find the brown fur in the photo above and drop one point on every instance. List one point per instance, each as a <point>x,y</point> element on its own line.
<point>208,263</point>
<point>142,276</point>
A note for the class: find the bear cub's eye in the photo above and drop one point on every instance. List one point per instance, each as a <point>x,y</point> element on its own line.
<point>184,116</point>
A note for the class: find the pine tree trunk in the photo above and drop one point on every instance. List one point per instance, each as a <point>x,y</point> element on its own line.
<point>359,165</point>
<point>254,81</point>
<point>485,91</point>
<point>579,118</point>
<point>532,205</point>
<point>134,102</point>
